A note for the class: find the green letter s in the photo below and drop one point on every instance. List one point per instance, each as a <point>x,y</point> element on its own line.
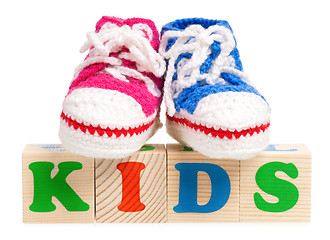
<point>286,192</point>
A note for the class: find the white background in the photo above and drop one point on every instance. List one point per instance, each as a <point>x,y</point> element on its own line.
<point>284,46</point>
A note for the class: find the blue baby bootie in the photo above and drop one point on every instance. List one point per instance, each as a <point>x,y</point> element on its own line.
<point>211,104</point>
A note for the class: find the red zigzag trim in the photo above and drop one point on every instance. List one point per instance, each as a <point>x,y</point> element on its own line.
<point>219,133</point>
<point>101,131</point>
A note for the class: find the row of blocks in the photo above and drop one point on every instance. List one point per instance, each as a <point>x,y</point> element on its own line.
<point>168,183</point>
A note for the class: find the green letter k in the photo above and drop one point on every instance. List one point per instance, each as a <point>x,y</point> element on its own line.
<point>46,187</point>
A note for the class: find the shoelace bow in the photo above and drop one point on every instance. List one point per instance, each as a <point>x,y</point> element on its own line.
<point>196,41</point>
<point>110,39</point>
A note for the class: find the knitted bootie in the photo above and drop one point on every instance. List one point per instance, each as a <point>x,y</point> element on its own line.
<point>112,106</point>
<point>211,104</point>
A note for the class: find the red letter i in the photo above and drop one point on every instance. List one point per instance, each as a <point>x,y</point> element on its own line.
<point>131,186</point>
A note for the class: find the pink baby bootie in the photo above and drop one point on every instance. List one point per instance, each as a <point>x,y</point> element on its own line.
<point>112,107</point>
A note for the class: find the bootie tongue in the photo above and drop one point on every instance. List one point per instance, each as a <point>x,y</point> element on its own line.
<point>127,50</point>
<point>181,24</point>
<point>145,25</point>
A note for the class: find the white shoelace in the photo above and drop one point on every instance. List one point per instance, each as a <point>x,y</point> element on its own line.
<point>111,39</point>
<point>188,70</point>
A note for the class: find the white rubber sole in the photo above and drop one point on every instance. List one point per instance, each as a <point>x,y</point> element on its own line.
<point>242,148</point>
<point>96,146</point>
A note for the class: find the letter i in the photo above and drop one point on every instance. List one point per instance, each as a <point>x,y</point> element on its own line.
<point>131,186</point>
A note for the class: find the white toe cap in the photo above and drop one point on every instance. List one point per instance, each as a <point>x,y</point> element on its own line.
<point>231,110</point>
<point>104,107</point>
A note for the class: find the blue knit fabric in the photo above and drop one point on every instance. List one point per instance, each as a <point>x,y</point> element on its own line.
<point>188,99</point>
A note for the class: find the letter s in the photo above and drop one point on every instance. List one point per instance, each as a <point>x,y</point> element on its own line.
<point>285,191</point>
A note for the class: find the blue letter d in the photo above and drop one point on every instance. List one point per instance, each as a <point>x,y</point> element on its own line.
<point>220,185</point>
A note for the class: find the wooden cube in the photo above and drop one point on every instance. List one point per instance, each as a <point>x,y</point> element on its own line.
<point>276,185</point>
<point>201,189</point>
<point>58,186</point>
<point>132,189</point>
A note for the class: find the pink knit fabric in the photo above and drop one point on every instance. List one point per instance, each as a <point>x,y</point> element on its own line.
<point>91,77</point>
<point>130,22</point>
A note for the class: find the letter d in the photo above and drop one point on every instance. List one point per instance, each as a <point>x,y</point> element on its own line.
<point>220,185</point>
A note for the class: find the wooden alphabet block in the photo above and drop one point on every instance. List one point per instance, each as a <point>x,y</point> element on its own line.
<point>276,185</point>
<point>132,189</point>
<point>200,189</point>
<point>58,186</point>
<point>156,185</point>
